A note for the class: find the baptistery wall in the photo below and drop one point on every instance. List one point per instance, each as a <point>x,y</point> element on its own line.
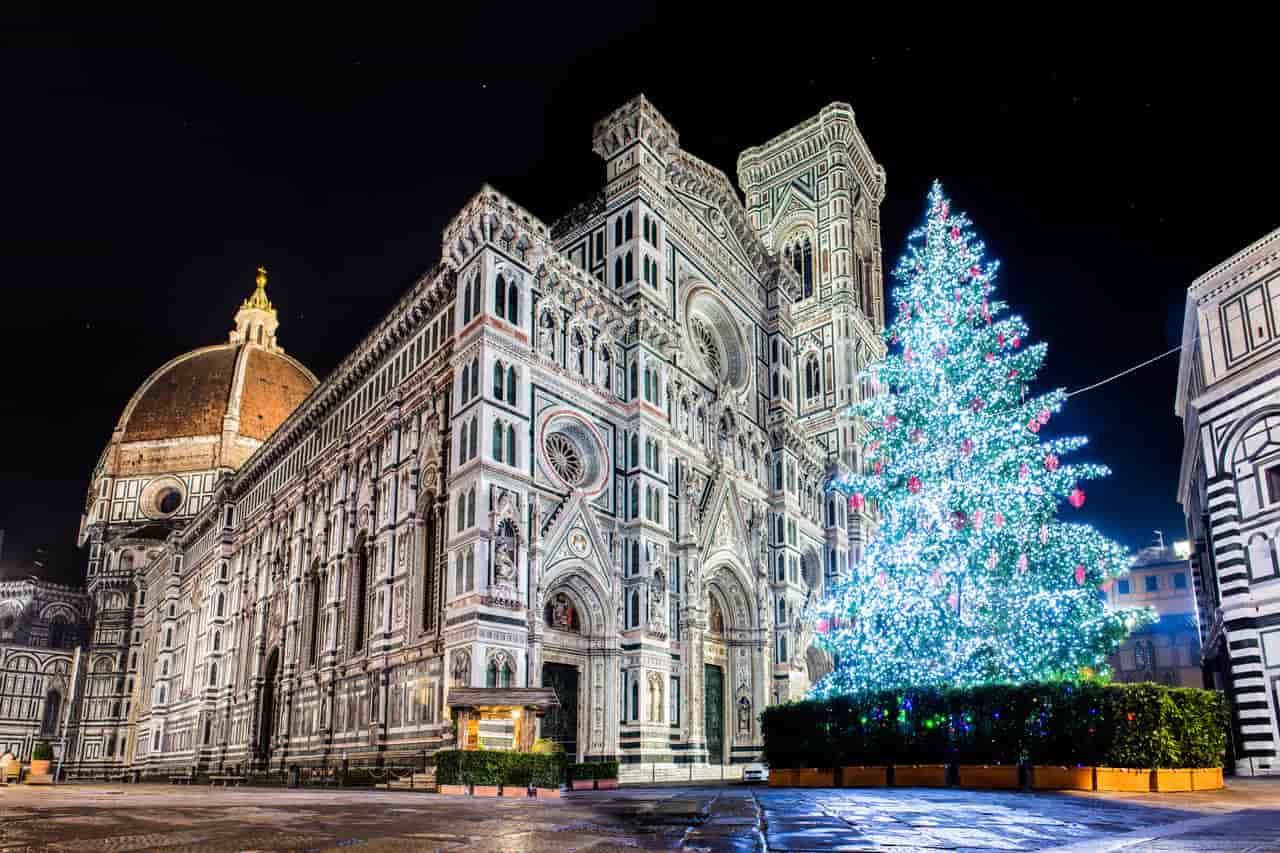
<point>585,456</point>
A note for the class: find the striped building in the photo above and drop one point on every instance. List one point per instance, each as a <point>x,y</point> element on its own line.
<point>1229,401</point>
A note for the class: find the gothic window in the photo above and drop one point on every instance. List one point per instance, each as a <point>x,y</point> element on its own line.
<point>634,459</point>
<point>634,607</point>
<point>617,232</point>
<point>221,603</point>
<point>126,558</point>
<point>458,568</point>
<point>471,507</point>
<point>606,367</point>
<point>513,304</point>
<point>782,649</point>
<point>475,377</point>
<point>315,618</point>
<point>511,385</point>
<point>471,571</point>
<point>511,445</point>
<point>217,641</point>
<point>466,305</point>
<point>635,500</point>
<point>213,674</point>
<point>644,226</point>
<point>475,303</point>
<point>461,513</point>
<point>497,441</point>
<point>635,697</point>
<point>564,458</point>
<point>500,297</point>
<point>812,379</point>
<point>618,281</point>
<point>635,381</point>
<point>464,387</point>
<point>782,611</point>
<point>629,261</point>
<point>475,437</point>
<point>499,375</point>
<point>361,591</point>
<point>629,220</point>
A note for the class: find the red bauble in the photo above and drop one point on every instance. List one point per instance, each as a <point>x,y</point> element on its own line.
<point>1051,462</point>
<point>1016,341</point>
<point>1079,574</point>
<point>973,272</point>
<point>879,467</point>
<point>966,446</point>
<point>891,422</point>
<point>991,356</point>
<point>1013,374</point>
<point>955,232</point>
<point>916,435</point>
<point>1033,425</point>
<point>1043,417</point>
<point>959,520</point>
<point>914,484</point>
<point>856,501</point>
<point>1105,586</point>
<point>1000,338</point>
<point>976,404</point>
<point>1076,498</point>
<point>822,627</point>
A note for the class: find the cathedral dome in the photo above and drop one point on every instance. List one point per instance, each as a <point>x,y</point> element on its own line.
<point>210,408</point>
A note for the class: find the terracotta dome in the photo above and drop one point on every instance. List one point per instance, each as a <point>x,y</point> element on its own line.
<point>213,406</point>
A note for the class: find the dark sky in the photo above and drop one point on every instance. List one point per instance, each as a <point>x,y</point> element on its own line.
<point>151,164</point>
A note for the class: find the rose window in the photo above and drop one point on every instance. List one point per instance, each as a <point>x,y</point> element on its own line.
<point>704,341</point>
<point>565,458</point>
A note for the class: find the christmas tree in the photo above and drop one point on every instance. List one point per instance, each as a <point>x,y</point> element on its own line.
<point>971,576</point>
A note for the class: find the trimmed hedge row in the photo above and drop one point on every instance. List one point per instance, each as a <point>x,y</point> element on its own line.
<point>582,772</point>
<point>494,767</point>
<point>1091,724</point>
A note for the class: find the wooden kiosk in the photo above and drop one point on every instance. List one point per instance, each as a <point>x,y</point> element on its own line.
<point>499,717</point>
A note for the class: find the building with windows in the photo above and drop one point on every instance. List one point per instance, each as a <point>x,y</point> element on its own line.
<point>1168,650</point>
<point>586,455</point>
<point>1228,397</point>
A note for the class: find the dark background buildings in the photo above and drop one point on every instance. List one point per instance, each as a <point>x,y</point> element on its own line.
<point>150,164</point>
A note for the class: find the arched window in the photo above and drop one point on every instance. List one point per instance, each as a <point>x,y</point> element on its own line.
<point>475,436</point>
<point>635,689</point>
<point>635,381</point>
<point>221,604</point>
<point>617,232</point>
<point>466,304</point>
<point>782,648</point>
<point>635,608</point>
<point>635,500</point>
<point>648,385</point>
<point>579,352</point>
<point>498,376</point>
<point>471,507</point>
<point>635,449</point>
<point>606,368</point>
<point>217,641</point>
<point>475,304</point>
<point>133,661</point>
<point>462,512</point>
<point>812,381</point>
<point>511,445</point>
<point>774,384</point>
<point>511,385</point>
<point>497,441</point>
<point>617,272</point>
<point>807,273</point>
<point>629,260</point>
<point>782,611</point>
<point>52,709</point>
<point>500,297</point>
<point>471,571</point>
<point>361,591</point>
<point>458,588</point>
<point>168,638</point>
<point>475,377</point>
<point>464,387</point>
<point>316,586</point>
<point>630,220</point>
<point>513,304</point>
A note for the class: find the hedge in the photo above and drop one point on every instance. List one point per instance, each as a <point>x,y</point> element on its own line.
<point>1118,725</point>
<point>495,767</point>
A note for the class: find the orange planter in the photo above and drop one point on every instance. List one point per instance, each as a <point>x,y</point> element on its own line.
<point>989,776</point>
<point>453,790</point>
<point>864,777</point>
<point>810,777</point>
<point>606,784</point>
<point>547,793</point>
<point>583,785</point>
<point>1206,779</point>
<point>1123,779</point>
<point>41,767</point>
<point>781,778</point>
<point>484,790</point>
<point>1172,780</point>
<point>920,775</point>
<point>1050,778</point>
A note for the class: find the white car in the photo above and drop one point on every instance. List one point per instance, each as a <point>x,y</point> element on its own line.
<point>756,772</point>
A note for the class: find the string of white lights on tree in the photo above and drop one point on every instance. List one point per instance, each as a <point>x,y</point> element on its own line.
<point>971,577</point>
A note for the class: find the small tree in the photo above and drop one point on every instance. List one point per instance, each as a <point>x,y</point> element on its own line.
<point>42,751</point>
<point>971,577</point>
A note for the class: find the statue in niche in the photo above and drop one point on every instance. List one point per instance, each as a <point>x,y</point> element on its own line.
<point>562,615</point>
<point>715,620</point>
<point>461,669</point>
<point>744,716</point>
<point>657,591</point>
<point>504,570</point>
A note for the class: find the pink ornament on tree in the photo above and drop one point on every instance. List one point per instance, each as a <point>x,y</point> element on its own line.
<point>977,519</point>
<point>1043,417</point>
<point>998,520</point>
<point>891,422</point>
<point>1022,564</point>
<point>1023,471</point>
<point>959,520</point>
<point>992,560</point>
<point>990,356</point>
<point>976,404</point>
<point>906,354</point>
<point>822,627</point>
<point>882,580</point>
<point>1105,586</point>
<point>955,232</point>
<point>1079,574</point>
<point>1051,463</point>
<point>856,501</point>
<point>936,578</point>
<point>1033,425</point>
<point>953,600</point>
<point>973,272</point>
<point>966,446</point>
<point>914,484</point>
<point>1016,341</point>
<point>1044,534</point>
<point>1076,498</point>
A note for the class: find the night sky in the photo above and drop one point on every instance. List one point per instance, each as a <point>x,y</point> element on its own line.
<point>151,164</point>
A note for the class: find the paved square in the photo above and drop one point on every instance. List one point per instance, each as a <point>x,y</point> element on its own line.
<point>87,818</point>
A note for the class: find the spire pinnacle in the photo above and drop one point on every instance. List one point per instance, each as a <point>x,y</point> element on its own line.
<point>259,298</point>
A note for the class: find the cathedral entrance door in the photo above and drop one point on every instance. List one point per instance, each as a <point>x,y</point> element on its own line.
<point>266,723</point>
<point>561,724</point>
<point>713,709</point>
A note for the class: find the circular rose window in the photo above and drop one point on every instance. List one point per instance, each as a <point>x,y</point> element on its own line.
<point>162,497</point>
<point>572,452</point>
<point>714,339</point>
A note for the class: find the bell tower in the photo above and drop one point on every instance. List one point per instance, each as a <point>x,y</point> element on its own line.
<point>256,321</point>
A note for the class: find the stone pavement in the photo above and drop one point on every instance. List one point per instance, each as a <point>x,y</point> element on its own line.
<point>88,818</point>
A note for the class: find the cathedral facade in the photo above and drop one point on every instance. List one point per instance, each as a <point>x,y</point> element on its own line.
<point>586,455</point>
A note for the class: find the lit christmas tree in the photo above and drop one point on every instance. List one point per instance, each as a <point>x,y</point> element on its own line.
<point>970,577</point>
